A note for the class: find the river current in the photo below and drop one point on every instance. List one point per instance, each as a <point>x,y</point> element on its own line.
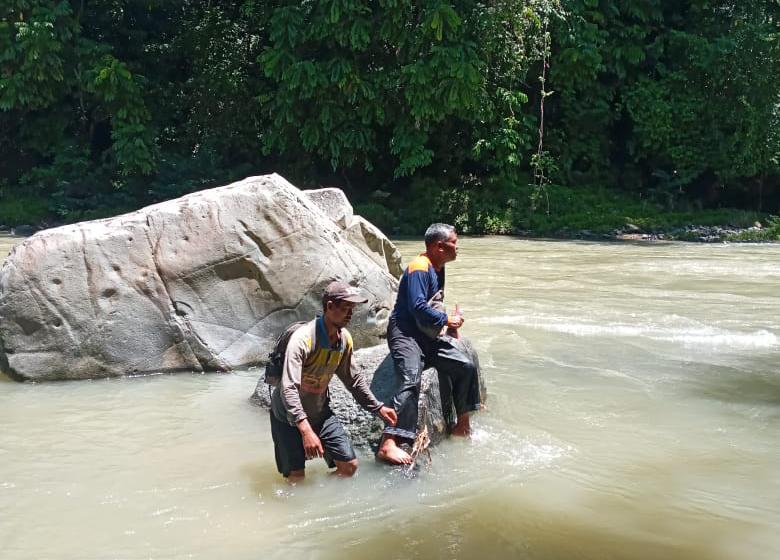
<point>633,413</point>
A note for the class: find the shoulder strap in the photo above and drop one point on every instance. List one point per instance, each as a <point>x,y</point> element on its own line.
<point>313,333</point>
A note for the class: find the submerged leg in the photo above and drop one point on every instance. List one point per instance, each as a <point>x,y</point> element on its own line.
<point>462,375</point>
<point>296,476</point>
<point>463,426</point>
<point>339,452</point>
<point>346,468</point>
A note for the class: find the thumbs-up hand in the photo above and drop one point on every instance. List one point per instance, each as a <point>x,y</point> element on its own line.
<point>455,322</point>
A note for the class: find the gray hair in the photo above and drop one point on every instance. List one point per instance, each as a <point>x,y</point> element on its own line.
<point>438,232</point>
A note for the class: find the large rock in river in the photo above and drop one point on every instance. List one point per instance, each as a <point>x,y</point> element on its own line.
<point>203,282</point>
<point>376,365</point>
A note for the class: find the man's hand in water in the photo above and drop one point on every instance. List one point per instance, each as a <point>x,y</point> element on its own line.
<point>388,415</point>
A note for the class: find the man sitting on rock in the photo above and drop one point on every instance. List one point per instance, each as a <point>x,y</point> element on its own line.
<point>302,425</point>
<point>415,335</point>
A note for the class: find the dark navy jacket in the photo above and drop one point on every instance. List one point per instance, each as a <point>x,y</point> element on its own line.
<point>419,284</point>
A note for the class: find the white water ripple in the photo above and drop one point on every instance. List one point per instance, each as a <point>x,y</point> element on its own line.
<point>707,336</point>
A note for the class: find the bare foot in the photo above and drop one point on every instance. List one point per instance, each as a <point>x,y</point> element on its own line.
<point>389,452</point>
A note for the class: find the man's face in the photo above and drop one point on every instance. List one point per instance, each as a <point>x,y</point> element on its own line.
<point>449,247</point>
<point>339,312</point>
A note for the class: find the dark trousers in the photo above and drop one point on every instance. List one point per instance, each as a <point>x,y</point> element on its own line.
<point>288,443</point>
<point>458,377</point>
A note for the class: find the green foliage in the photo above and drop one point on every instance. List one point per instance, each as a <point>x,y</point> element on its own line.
<point>379,215</point>
<point>565,211</point>
<point>603,211</point>
<point>106,106</point>
<point>597,210</point>
<point>33,50</point>
<point>477,206</point>
<point>473,206</point>
<point>770,232</point>
<point>24,209</point>
<point>112,83</point>
<point>358,82</point>
<point>693,101</point>
<point>420,206</point>
<point>63,92</point>
<point>658,96</point>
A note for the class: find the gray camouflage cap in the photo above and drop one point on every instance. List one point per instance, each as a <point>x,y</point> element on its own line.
<point>341,291</point>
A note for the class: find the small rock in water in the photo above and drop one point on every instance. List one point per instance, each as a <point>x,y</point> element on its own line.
<point>23,230</point>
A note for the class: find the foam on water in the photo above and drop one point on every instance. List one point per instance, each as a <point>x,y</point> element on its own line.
<point>519,451</point>
<point>705,336</point>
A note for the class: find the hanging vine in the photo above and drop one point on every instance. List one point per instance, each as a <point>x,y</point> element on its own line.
<point>542,163</point>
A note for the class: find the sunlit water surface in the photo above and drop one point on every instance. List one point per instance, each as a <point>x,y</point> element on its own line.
<point>634,413</point>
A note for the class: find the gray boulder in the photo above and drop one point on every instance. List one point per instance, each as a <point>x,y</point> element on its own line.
<point>333,202</point>
<point>203,282</point>
<point>376,365</point>
<point>361,232</point>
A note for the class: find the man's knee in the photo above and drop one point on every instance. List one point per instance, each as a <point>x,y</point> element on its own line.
<point>407,358</point>
<point>411,376</point>
<point>346,468</point>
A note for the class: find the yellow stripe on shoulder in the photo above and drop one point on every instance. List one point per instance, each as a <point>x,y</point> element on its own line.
<point>347,338</point>
<point>420,263</point>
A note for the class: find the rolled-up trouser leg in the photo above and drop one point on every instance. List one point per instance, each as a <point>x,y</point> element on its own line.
<point>447,405</point>
<point>452,362</point>
<point>408,360</point>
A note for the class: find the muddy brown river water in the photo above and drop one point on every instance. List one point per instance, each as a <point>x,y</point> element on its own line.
<point>634,413</point>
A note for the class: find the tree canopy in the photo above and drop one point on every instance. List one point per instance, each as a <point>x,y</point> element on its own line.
<point>414,107</point>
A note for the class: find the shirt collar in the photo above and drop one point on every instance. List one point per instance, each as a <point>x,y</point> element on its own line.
<point>322,336</point>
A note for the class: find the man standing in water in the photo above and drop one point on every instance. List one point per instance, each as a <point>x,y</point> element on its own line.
<point>412,349</point>
<point>302,425</point>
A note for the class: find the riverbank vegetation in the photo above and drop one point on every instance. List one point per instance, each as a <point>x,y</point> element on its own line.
<point>540,116</point>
